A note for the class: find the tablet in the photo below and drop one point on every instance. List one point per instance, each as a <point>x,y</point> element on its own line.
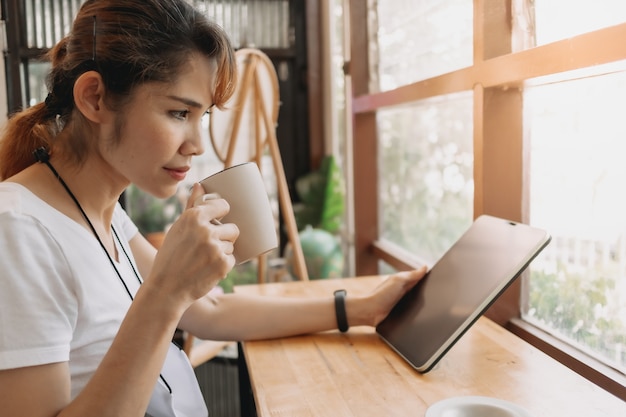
<point>459,288</point>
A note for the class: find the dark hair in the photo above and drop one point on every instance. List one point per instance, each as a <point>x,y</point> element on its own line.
<point>129,42</point>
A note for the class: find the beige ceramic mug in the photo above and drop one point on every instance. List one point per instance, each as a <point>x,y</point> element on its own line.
<point>243,188</point>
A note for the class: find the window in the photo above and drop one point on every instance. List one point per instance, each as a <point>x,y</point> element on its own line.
<point>33,28</point>
<point>425,40</point>
<point>556,20</point>
<point>260,23</point>
<point>425,155</point>
<point>576,136</point>
<point>577,291</point>
<point>426,174</point>
<point>538,126</point>
<point>425,149</point>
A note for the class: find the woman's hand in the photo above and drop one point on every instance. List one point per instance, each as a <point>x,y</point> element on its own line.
<point>372,309</point>
<point>198,250</point>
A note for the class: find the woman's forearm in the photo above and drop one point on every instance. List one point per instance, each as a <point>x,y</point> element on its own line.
<point>247,317</point>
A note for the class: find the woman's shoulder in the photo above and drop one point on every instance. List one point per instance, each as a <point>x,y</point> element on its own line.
<point>22,213</point>
<point>14,196</point>
<point>17,199</point>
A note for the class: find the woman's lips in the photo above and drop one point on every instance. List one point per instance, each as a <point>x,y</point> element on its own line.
<point>178,174</point>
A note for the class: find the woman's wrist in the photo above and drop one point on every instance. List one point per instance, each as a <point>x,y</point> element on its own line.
<point>162,303</point>
<point>356,310</point>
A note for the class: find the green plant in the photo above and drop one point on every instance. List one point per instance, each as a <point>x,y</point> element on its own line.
<point>319,217</point>
<point>243,274</point>
<point>322,197</point>
<point>149,213</point>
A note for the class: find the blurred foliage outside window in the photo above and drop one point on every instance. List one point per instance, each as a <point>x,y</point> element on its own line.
<point>577,289</point>
<point>426,186</point>
<point>425,150</point>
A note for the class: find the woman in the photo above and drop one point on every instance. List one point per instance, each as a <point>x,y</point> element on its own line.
<point>81,332</point>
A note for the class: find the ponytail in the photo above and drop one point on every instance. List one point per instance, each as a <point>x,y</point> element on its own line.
<point>25,131</point>
<point>32,127</point>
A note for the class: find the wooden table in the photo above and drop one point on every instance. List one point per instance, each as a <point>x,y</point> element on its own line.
<point>356,374</point>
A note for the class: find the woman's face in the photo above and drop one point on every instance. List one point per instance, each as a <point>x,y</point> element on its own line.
<point>161,129</point>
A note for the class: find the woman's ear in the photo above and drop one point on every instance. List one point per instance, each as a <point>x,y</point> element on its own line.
<point>89,92</point>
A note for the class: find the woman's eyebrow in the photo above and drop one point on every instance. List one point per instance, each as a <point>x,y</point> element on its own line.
<point>188,102</point>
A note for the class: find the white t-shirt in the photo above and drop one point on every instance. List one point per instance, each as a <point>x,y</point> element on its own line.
<point>60,298</point>
<point>62,301</point>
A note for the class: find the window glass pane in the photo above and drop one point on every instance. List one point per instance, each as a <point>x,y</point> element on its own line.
<point>557,19</point>
<point>577,287</point>
<point>47,22</point>
<point>427,38</point>
<point>426,174</point>
<point>37,73</point>
<point>259,23</point>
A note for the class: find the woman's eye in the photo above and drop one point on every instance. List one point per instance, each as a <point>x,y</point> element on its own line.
<point>181,114</point>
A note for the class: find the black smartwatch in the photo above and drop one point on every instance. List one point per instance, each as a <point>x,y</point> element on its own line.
<point>340,310</point>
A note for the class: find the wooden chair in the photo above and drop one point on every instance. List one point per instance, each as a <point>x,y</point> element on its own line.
<point>244,132</point>
<point>201,351</point>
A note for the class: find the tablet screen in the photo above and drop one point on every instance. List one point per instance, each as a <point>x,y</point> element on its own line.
<point>459,288</point>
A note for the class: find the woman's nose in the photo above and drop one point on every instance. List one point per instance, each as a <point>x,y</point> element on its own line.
<point>194,145</point>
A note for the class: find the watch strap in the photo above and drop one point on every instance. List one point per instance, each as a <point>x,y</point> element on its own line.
<point>340,310</point>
